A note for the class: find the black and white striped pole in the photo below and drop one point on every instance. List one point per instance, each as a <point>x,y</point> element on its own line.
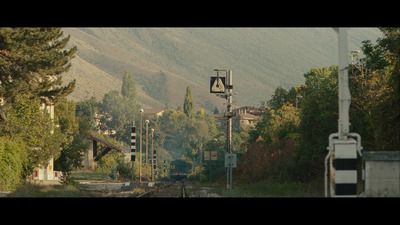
<point>133,149</point>
<point>164,167</point>
<point>152,150</point>
<point>154,164</point>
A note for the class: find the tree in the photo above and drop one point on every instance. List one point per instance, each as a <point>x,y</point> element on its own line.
<point>88,109</point>
<point>128,89</point>
<point>34,126</point>
<point>318,119</point>
<point>14,163</point>
<point>32,61</point>
<point>278,98</point>
<point>75,131</point>
<point>188,104</point>
<point>375,81</point>
<point>216,111</point>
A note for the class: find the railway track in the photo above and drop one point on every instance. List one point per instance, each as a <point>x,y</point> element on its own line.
<point>170,190</point>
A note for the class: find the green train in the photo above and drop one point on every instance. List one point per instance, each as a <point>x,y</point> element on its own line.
<point>178,169</point>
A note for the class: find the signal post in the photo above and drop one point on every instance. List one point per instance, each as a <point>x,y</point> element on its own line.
<point>343,145</point>
<point>223,86</point>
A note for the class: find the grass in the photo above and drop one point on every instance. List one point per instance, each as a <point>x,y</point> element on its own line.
<point>67,190</point>
<point>49,191</point>
<point>89,175</point>
<point>275,189</point>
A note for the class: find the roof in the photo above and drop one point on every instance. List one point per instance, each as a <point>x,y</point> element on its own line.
<point>153,111</point>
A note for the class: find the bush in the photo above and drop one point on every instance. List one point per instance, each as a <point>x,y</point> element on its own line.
<point>265,162</point>
<point>13,163</point>
<point>106,165</point>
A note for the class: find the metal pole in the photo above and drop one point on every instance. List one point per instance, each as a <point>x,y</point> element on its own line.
<point>152,160</point>
<point>230,114</point>
<point>140,147</point>
<point>147,147</point>
<point>201,159</point>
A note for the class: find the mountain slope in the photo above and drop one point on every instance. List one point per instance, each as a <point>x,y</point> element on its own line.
<point>165,61</point>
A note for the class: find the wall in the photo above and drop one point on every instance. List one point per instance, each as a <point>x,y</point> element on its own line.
<point>382,174</point>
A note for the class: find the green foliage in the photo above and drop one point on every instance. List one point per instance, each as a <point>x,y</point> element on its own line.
<point>276,124</point>
<point>114,159</point>
<point>318,119</point>
<point>87,109</point>
<point>32,61</point>
<point>28,122</point>
<point>155,86</point>
<point>278,98</point>
<point>72,153</point>
<point>188,104</point>
<point>375,81</point>
<point>119,110</point>
<point>374,112</point>
<point>286,143</point>
<point>13,163</point>
<point>128,89</point>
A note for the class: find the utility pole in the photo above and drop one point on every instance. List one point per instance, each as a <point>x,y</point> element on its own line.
<point>153,154</point>
<point>140,146</point>
<point>201,159</point>
<point>229,115</point>
<point>147,147</point>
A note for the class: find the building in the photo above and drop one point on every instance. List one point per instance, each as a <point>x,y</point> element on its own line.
<point>243,117</point>
<point>47,172</point>
<point>153,113</point>
<point>246,119</point>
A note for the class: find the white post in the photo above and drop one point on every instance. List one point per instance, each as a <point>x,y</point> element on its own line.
<point>344,91</point>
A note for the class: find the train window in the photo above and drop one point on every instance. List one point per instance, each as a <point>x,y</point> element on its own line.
<point>173,167</point>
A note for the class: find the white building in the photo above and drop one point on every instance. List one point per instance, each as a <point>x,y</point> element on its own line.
<point>46,172</point>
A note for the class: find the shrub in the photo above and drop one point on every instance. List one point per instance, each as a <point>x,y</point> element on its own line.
<point>13,163</point>
<point>263,162</point>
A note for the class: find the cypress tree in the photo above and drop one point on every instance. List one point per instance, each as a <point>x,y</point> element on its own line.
<point>188,104</point>
<point>128,89</point>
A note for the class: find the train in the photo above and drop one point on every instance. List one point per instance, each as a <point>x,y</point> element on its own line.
<point>178,169</point>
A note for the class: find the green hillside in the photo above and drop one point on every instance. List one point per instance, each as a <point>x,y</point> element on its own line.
<point>165,61</point>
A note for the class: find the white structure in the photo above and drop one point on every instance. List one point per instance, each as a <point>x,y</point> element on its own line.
<point>381,174</point>
<point>343,148</point>
<point>46,172</point>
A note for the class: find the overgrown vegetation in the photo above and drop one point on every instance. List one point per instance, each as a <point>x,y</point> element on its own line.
<point>32,61</point>
<point>289,143</point>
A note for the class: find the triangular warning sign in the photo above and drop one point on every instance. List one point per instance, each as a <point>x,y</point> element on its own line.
<point>217,85</point>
